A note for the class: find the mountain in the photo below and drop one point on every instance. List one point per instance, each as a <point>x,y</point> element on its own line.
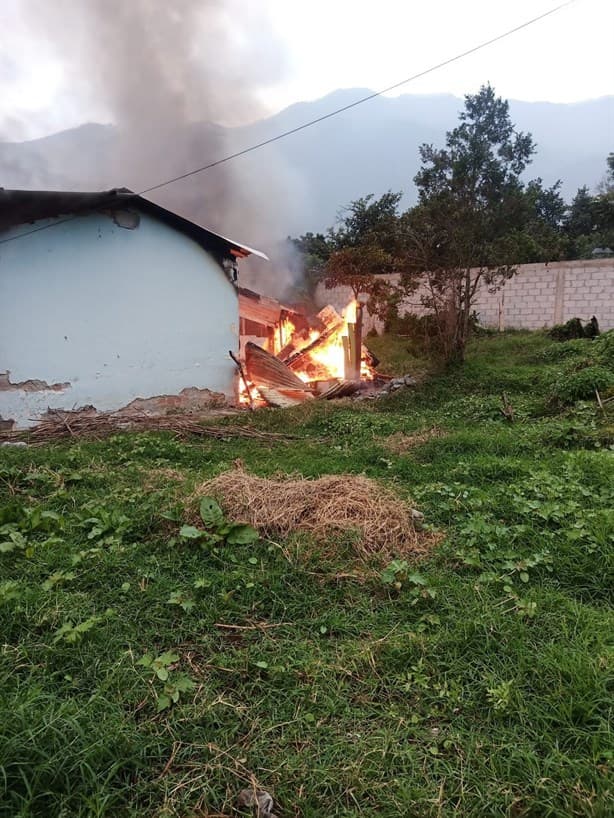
<point>367,149</point>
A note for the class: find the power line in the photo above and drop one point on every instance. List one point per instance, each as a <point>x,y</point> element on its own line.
<point>324,117</point>
<point>369,97</point>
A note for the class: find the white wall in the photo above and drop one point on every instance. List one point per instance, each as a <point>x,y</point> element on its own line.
<point>116,313</point>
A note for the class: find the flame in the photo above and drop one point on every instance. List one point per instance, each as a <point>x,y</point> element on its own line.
<point>326,361</point>
<point>349,312</point>
<point>284,335</point>
<point>248,394</point>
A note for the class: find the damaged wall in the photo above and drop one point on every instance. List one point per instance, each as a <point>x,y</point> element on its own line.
<point>92,313</point>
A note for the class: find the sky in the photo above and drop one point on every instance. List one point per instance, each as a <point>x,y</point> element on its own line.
<point>328,44</point>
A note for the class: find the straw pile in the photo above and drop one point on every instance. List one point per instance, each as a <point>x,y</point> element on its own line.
<point>58,425</point>
<point>378,521</point>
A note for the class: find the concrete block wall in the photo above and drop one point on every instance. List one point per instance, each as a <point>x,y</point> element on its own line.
<point>538,296</point>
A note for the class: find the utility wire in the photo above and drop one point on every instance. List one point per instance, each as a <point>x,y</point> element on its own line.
<point>369,97</point>
<point>324,117</point>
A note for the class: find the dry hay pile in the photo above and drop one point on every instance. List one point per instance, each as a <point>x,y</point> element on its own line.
<point>379,522</point>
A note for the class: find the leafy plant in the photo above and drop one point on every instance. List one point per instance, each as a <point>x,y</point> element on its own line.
<point>499,696</point>
<point>181,599</point>
<point>164,669</point>
<point>57,578</point>
<point>217,528</point>
<point>22,531</point>
<point>11,539</point>
<point>9,591</point>
<point>581,385</point>
<point>103,525</point>
<point>398,576</point>
<point>72,633</point>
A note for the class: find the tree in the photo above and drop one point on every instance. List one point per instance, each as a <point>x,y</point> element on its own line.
<point>606,186</point>
<point>580,216</point>
<point>369,222</point>
<point>589,222</point>
<point>360,268</point>
<point>475,218</point>
<point>367,245</point>
<point>364,244</point>
<point>310,254</point>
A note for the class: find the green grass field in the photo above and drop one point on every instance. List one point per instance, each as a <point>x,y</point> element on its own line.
<point>490,694</point>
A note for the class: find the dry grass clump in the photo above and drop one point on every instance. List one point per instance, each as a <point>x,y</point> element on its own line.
<point>399,443</point>
<point>379,522</point>
<point>154,479</point>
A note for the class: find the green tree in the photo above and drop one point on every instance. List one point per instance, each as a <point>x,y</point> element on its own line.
<point>364,244</point>
<point>606,186</point>
<point>589,222</point>
<point>308,261</point>
<point>360,268</point>
<point>580,216</point>
<point>369,222</point>
<point>475,217</point>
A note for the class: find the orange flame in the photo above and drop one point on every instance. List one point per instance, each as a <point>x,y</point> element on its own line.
<point>326,361</point>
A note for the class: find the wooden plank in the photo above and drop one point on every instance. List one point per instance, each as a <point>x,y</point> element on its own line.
<point>277,384</point>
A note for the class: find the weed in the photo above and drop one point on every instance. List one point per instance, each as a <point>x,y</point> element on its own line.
<point>217,528</point>
<point>499,696</point>
<point>398,576</point>
<point>164,669</point>
<point>71,633</point>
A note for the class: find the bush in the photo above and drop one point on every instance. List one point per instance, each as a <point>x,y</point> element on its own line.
<point>424,332</point>
<point>581,385</point>
<point>566,349</point>
<point>603,349</point>
<point>574,329</point>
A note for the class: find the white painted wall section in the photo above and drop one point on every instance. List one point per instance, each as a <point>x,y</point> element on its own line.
<point>117,313</point>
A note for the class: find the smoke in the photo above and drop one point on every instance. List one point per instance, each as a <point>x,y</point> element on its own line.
<point>172,78</point>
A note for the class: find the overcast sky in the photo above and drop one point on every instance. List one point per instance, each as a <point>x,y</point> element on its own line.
<point>329,44</point>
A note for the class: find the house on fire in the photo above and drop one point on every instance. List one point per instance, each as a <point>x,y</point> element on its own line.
<point>109,300</point>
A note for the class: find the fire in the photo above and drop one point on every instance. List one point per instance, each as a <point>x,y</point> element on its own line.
<point>349,312</point>
<point>329,357</point>
<point>318,356</point>
<point>287,328</point>
<point>328,360</point>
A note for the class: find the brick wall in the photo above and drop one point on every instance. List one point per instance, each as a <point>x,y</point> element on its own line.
<point>539,295</point>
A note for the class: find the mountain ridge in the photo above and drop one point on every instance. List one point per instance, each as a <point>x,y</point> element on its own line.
<point>369,148</point>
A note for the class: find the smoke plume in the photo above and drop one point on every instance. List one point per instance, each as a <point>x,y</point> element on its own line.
<point>172,77</point>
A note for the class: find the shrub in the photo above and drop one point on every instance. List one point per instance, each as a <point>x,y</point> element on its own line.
<point>574,329</point>
<point>567,349</point>
<point>581,385</point>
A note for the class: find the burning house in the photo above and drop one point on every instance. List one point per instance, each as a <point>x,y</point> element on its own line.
<point>110,301</point>
<point>305,357</point>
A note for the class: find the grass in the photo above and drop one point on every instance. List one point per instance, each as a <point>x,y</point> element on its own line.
<point>489,695</point>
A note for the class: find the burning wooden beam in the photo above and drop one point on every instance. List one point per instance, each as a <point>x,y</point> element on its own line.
<point>277,384</point>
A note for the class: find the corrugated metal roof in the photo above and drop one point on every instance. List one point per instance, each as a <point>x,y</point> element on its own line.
<point>28,206</point>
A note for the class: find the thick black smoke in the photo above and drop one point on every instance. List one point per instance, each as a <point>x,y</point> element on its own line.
<point>170,77</point>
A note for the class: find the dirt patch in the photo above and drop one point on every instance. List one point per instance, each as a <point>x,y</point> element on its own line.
<point>189,400</point>
<point>157,478</point>
<point>400,443</point>
<point>379,522</point>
